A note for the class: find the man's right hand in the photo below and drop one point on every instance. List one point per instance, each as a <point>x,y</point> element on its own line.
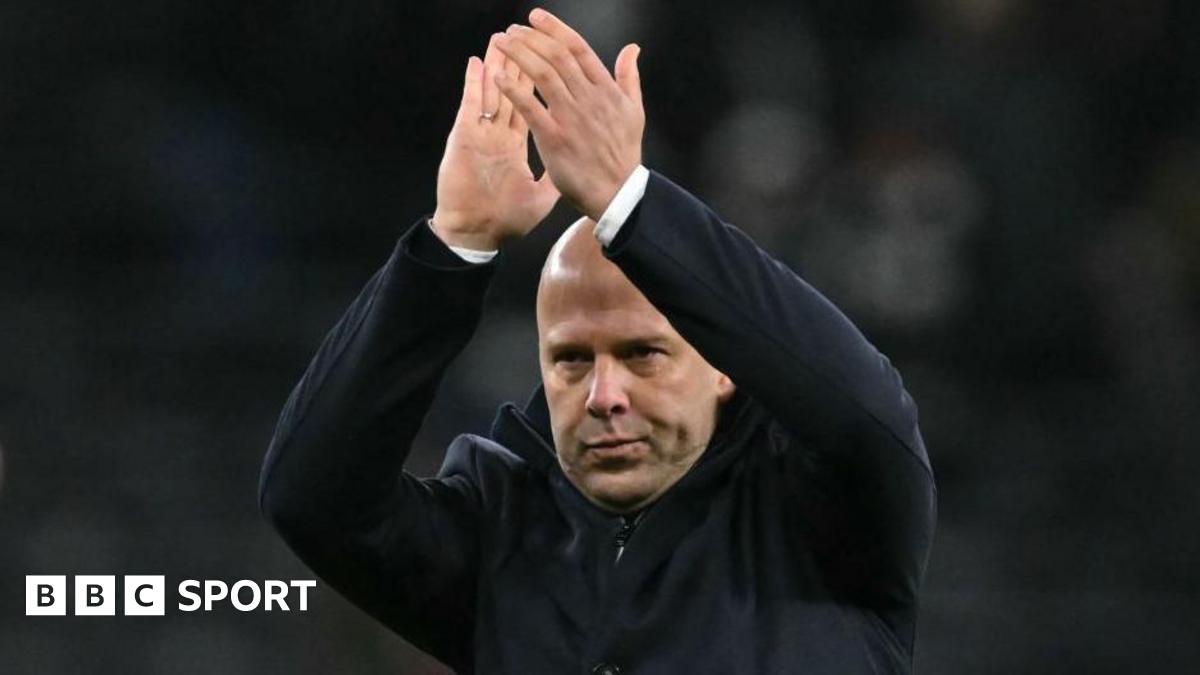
<point>486,192</point>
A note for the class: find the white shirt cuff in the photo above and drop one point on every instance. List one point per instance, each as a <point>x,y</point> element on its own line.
<point>471,255</point>
<point>627,198</point>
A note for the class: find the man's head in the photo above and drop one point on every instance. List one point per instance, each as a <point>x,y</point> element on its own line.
<point>632,404</point>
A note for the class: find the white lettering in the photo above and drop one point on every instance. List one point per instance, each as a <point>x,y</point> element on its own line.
<point>211,589</point>
<point>236,599</point>
<point>275,591</point>
<point>304,585</point>
<point>184,590</point>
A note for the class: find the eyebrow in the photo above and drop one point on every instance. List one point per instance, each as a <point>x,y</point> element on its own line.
<point>653,340</point>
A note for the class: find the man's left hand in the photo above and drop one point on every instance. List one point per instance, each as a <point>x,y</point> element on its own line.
<point>589,133</point>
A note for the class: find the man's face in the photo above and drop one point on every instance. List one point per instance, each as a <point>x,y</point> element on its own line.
<point>632,405</point>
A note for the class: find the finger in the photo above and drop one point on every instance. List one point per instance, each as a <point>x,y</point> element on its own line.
<point>626,71</point>
<point>504,113</point>
<point>472,82</point>
<point>558,56</point>
<point>468,107</point>
<point>492,64</point>
<point>589,63</point>
<point>528,107</point>
<point>543,74</point>
<point>524,83</point>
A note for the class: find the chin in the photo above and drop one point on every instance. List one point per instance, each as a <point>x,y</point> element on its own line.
<point>618,494</point>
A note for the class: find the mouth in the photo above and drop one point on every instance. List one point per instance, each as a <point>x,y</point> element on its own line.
<point>615,449</point>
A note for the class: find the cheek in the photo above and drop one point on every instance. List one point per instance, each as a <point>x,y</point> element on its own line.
<point>566,411</point>
<point>688,404</point>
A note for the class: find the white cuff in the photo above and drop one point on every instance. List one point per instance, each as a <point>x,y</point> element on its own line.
<point>471,255</point>
<point>627,198</point>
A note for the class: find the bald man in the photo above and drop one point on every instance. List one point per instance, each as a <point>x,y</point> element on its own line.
<point>718,474</point>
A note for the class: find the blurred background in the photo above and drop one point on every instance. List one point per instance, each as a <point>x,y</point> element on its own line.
<point>1003,194</point>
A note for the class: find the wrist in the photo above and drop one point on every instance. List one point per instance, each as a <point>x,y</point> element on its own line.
<point>598,205</point>
<point>602,196</point>
<point>454,230</point>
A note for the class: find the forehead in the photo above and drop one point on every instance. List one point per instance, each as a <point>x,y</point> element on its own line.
<point>596,307</point>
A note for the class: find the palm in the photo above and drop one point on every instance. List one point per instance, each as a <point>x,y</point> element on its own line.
<point>486,188</point>
<point>485,174</point>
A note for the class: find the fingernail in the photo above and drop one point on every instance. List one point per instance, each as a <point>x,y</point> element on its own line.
<point>537,14</point>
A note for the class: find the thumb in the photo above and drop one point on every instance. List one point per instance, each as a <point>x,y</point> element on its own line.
<point>626,72</point>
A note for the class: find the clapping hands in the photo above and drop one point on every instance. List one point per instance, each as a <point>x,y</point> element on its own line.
<point>588,133</point>
<point>486,191</point>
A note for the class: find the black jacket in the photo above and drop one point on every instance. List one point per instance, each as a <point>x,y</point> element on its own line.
<point>796,544</point>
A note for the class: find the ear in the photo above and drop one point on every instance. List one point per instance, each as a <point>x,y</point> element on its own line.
<point>725,388</point>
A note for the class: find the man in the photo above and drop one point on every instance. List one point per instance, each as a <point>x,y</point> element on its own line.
<point>719,473</point>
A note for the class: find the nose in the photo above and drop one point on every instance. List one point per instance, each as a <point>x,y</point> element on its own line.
<point>607,396</point>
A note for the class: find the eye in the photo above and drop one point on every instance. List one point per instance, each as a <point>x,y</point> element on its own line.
<point>571,357</point>
<point>643,352</point>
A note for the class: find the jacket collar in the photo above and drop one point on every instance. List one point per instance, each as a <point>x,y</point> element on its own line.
<point>526,432</point>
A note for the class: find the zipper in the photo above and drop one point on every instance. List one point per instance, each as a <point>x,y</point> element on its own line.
<point>628,525</point>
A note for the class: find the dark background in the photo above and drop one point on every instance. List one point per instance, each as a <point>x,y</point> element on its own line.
<point>1003,194</point>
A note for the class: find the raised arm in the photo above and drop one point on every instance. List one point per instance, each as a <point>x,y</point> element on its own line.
<point>862,477</point>
<point>859,468</point>
<point>401,547</point>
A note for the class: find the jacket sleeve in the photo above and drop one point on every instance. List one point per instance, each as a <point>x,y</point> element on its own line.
<point>858,470</point>
<point>400,547</point>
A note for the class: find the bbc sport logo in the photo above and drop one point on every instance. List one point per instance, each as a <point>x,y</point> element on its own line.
<point>145,595</point>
